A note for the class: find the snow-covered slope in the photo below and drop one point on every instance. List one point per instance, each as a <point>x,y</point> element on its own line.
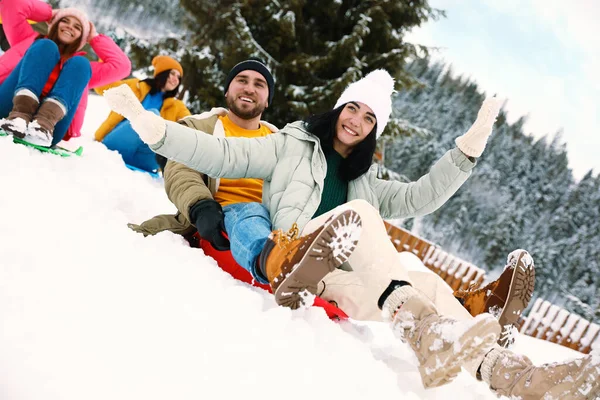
<point>91,310</point>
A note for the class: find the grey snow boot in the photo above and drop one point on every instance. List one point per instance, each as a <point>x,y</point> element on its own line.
<point>515,376</point>
<point>441,344</point>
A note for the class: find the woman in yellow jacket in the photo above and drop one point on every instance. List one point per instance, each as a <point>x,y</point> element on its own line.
<point>156,94</point>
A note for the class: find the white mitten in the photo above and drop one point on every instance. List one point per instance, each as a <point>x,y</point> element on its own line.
<point>150,127</point>
<point>473,142</point>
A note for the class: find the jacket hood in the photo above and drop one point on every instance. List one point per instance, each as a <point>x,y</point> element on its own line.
<point>221,112</point>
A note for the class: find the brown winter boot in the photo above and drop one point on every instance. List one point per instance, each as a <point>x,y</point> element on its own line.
<point>41,129</point>
<point>22,112</point>
<point>514,376</point>
<point>506,297</point>
<point>442,344</point>
<point>294,266</point>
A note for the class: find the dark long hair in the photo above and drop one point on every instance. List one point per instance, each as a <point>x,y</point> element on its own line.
<point>360,159</point>
<point>158,83</point>
<point>66,50</point>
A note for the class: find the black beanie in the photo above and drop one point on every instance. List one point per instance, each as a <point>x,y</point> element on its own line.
<point>253,64</point>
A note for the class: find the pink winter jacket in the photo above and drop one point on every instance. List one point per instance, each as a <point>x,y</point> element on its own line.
<point>115,64</point>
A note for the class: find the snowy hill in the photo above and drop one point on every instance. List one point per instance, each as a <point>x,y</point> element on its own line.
<point>92,310</point>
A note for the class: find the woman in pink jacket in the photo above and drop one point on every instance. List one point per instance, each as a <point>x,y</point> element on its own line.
<point>44,79</point>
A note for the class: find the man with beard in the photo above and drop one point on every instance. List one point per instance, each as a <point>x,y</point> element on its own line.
<point>206,205</point>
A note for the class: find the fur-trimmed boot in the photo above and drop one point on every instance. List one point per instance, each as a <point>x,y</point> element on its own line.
<point>442,344</point>
<point>24,106</point>
<point>41,130</point>
<point>515,376</point>
<point>506,297</point>
<point>294,266</point>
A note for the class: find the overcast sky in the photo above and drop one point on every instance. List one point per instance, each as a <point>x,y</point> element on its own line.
<point>542,55</point>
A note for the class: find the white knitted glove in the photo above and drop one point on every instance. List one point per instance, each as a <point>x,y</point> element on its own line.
<point>150,127</point>
<point>473,142</point>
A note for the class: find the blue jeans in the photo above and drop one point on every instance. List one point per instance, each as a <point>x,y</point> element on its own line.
<point>128,143</point>
<point>248,226</point>
<point>32,73</point>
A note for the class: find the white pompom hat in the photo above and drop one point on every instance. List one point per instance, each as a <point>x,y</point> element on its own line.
<point>374,90</point>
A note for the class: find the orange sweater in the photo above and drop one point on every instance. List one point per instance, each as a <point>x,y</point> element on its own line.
<point>240,190</point>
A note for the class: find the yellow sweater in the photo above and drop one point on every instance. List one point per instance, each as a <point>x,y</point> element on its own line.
<point>240,190</point>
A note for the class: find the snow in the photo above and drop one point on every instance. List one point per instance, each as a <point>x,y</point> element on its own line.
<point>591,334</point>
<point>91,310</point>
<point>346,235</point>
<point>18,124</point>
<point>561,317</point>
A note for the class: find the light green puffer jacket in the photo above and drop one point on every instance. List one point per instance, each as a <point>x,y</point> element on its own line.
<point>293,168</point>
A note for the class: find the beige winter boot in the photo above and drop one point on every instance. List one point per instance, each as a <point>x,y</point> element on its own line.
<point>295,266</point>
<point>22,112</point>
<point>41,129</point>
<point>442,344</point>
<point>506,297</point>
<point>514,376</point>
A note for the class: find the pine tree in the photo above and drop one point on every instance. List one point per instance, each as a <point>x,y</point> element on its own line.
<point>147,19</point>
<point>314,49</point>
<point>141,30</point>
<point>521,194</point>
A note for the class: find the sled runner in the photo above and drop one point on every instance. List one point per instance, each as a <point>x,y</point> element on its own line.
<point>155,175</point>
<point>59,151</point>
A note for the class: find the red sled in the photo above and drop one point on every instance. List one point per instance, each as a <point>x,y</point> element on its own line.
<point>227,263</point>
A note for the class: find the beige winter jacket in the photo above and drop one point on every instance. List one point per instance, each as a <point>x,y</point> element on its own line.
<point>186,186</point>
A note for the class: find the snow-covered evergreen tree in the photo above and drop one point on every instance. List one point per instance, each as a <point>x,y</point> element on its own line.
<point>148,19</point>
<point>314,49</point>
<point>522,193</point>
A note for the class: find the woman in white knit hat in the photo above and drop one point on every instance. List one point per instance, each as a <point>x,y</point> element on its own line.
<point>44,79</point>
<point>318,180</point>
